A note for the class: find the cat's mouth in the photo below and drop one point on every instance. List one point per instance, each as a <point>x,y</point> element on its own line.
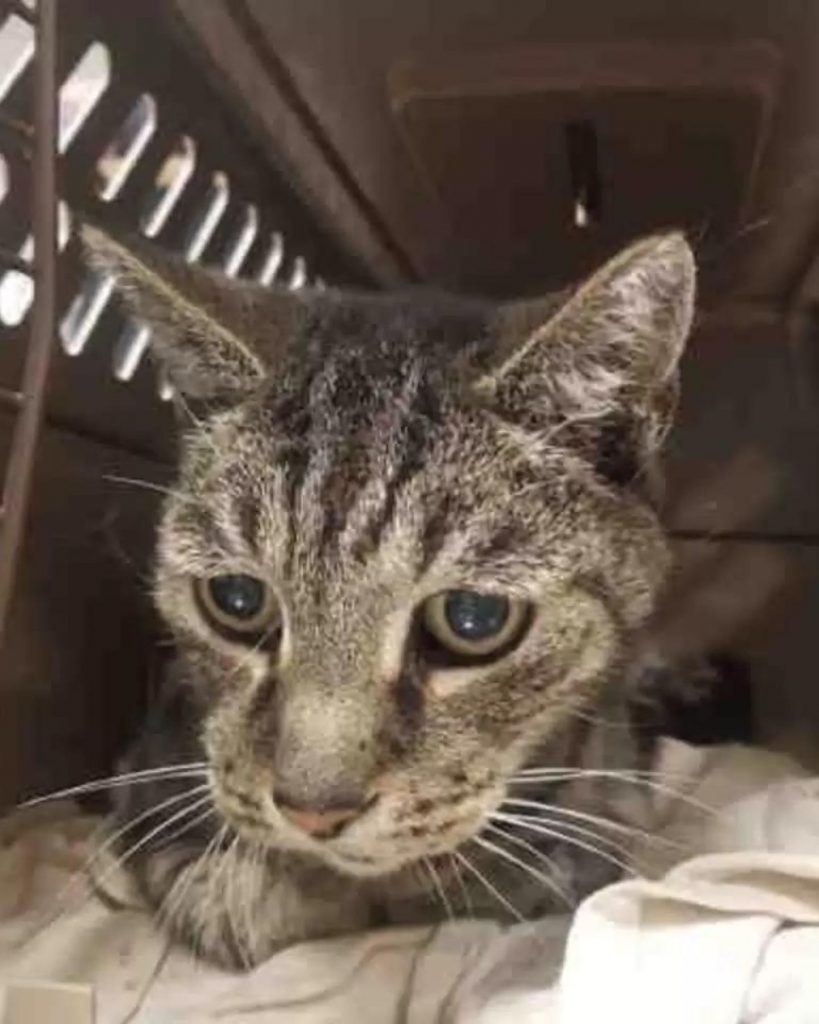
<point>378,841</point>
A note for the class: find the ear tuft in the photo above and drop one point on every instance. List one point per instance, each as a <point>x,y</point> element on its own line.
<point>607,358</point>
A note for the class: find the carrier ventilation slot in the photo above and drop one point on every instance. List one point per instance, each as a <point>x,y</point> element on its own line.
<point>251,248</point>
<point>584,173</point>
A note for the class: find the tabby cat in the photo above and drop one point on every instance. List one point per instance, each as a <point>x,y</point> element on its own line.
<point>406,562</point>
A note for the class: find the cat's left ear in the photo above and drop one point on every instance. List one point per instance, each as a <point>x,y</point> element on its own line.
<point>601,364</point>
<point>217,337</point>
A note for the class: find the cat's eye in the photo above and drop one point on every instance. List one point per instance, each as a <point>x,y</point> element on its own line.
<point>471,624</point>
<point>238,604</point>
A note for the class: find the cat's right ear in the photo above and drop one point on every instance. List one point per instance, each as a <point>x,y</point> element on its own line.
<point>217,337</point>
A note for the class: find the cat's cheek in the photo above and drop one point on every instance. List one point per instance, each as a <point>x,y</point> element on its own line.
<point>215,676</point>
<point>241,729</point>
<point>452,681</point>
<point>582,643</point>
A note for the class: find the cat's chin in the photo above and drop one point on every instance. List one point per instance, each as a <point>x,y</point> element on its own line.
<point>356,867</point>
<point>371,868</point>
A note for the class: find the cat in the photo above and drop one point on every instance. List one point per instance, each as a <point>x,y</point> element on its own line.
<point>406,564</point>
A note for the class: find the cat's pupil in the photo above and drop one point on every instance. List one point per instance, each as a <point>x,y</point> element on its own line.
<point>474,616</point>
<point>241,597</point>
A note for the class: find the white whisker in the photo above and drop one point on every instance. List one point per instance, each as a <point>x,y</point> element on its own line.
<point>183,829</point>
<point>232,905</point>
<point>634,778</point>
<point>174,898</point>
<point>511,858</point>
<point>567,827</point>
<point>470,867</point>
<point>545,858</point>
<point>466,898</point>
<point>246,659</point>
<point>62,898</point>
<point>154,832</point>
<point>178,771</point>
<point>439,888</point>
<point>254,875</point>
<point>537,825</point>
<point>573,773</point>
<point>594,819</point>
<point>215,867</point>
<point>149,485</point>
<point>114,837</point>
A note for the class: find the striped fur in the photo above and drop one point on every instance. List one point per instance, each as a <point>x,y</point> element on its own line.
<point>361,453</point>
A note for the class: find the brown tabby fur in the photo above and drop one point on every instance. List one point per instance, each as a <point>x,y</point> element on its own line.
<point>360,453</point>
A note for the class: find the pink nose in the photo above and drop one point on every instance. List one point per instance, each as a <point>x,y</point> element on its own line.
<point>319,823</point>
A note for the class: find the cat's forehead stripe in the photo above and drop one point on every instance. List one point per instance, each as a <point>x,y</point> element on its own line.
<point>358,442</point>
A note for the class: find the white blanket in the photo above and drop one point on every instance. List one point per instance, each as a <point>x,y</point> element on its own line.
<point>730,936</point>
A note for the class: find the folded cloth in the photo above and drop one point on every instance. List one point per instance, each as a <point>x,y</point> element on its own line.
<point>722,931</point>
<point>722,939</point>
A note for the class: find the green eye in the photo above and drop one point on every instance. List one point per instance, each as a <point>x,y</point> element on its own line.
<point>237,603</point>
<point>470,623</point>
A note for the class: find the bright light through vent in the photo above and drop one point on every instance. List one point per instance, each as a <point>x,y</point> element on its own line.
<point>85,311</point>
<point>129,348</point>
<point>81,92</point>
<point>271,264</point>
<point>165,389</point>
<point>126,147</point>
<point>16,289</point>
<point>170,182</point>
<point>298,275</point>
<point>215,227</point>
<point>207,217</point>
<point>240,242</point>
<point>16,50</point>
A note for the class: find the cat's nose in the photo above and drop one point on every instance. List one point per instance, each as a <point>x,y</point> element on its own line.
<point>323,823</point>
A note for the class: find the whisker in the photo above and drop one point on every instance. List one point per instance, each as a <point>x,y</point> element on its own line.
<point>232,904</point>
<point>470,867</point>
<point>154,832</point>
<point>593,819</point>
<point>548,772</point>
<point>633,778</point>
<point>550,883</point>
<point>255,878</point>
<point>178,771</point>
<point>150,981</point>
<point>568,827</point>
<point>62,898</point>
<point>217,874</point>
<point>213,869</point>
<point>112,839</point>
<point>246,659</point>
<point>545,858</point>
<point>183,830</point>
<point>179,399</point>
<point>149,485</point>
<point>536,825</point>
<point>244,901</point>
<point>436,881</point>
<point>467,899</point>
<point>171,904</point>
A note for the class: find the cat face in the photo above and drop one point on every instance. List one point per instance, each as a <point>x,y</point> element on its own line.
<point>408,541</point>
